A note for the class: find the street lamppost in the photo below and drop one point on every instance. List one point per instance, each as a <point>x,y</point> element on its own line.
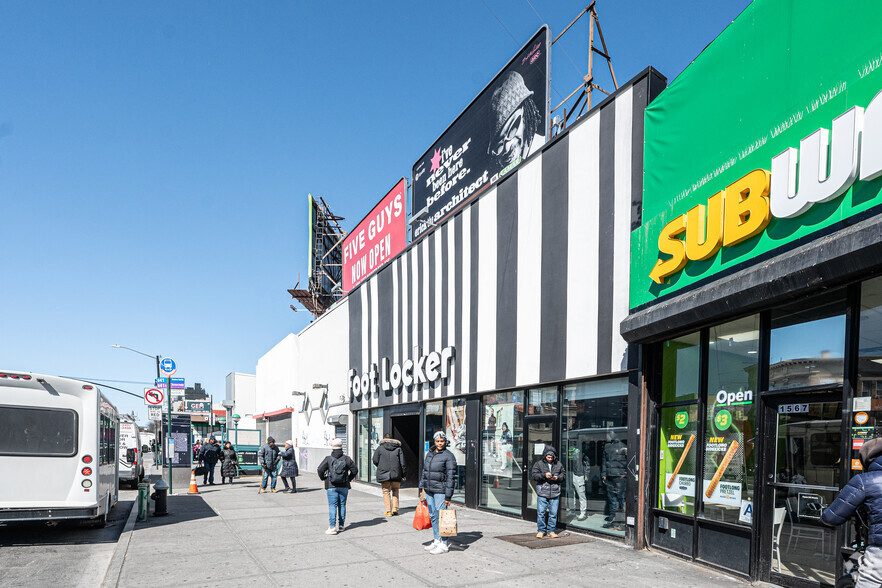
<point>236,421</point>
<point>168,435</point>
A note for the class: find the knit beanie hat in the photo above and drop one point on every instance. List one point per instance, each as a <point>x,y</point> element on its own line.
<point>270,440</point>
<point>336,444</point>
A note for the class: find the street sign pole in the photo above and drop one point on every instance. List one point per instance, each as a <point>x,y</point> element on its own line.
<point>168,395</point>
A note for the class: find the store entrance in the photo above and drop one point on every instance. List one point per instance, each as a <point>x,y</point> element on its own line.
<point>802,472</point>
<point>406,428</point>
<point>539,432</point>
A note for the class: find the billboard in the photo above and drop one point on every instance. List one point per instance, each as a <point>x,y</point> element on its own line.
<point>324,258</point>
<point>379,237</point>
<point>771,138</point>
<point>197,406</point>
<point>507,122</point>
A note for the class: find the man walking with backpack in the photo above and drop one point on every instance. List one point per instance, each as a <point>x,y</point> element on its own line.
<point>390,463</point>
<point>337,470</point>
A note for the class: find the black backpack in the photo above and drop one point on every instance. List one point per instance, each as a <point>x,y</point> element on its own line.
<point>338,472</point>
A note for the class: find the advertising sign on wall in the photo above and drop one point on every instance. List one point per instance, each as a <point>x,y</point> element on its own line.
<point>505,124</point>
<point>767,140</point>
<point>180,433</point>
<point>379,237</point>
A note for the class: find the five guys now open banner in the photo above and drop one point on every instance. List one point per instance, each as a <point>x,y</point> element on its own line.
<point>379,237</point>
<point>506,123</point>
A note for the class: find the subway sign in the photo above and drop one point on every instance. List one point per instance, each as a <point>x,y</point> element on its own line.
<point>822,170</point>
<point>771,138</point>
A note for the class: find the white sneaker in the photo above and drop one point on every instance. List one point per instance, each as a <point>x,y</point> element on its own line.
<point>431,545</point>
<point>439,549</point>
<point>331,531</point>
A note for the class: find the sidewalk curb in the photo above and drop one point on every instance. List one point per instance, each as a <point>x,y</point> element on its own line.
<point>114,570</point>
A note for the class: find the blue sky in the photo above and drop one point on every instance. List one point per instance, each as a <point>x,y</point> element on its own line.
<point>155,157</point>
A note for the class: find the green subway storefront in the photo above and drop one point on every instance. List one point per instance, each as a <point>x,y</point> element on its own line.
<point>756,290</point>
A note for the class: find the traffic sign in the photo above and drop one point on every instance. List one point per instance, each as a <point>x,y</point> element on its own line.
<point>176,383</point>
<point>152,396</point>
<point>154,413</point>
<point>167,366</point>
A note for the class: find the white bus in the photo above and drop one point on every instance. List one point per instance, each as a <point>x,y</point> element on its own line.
<point>59,441</point>
<point>131,456</point>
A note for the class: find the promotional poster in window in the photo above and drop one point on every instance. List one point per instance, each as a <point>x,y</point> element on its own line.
<point>504,125</point>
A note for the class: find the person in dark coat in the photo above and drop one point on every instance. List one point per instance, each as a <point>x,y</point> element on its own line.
<point>337,470</point>
<point>436,485</point>
<point>229,462</point>
<point>289,468</point>
<point>209,455</point>
<point>390,463</point>
<point>864,489</point>
<point>549,474</point>
<point>268,460</point>
<point>612,473</point>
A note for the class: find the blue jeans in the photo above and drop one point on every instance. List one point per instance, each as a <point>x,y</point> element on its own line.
<point>208,478</point>
<point>548,505</point>
<point>269,473</point>
<point>337,504</point>
<point>435,502</point>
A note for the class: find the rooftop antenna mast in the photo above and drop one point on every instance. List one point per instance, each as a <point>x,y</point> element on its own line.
<point>588,85</point>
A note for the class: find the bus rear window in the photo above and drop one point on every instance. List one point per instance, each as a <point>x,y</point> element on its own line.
<point>37,431</point>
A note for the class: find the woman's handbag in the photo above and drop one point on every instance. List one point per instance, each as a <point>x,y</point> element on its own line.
<point>201,471</point>
<point>421,518</point>
<point>447,522</point>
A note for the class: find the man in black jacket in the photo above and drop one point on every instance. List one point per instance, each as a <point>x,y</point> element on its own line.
<point>337,470</point>
<point>390,463</point>
<point>549,474</point>
<point>436,486</point>
<point>268,460</point>
<point>209,455</point>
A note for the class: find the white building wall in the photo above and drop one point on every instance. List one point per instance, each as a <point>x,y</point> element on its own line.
<point>317,355</point>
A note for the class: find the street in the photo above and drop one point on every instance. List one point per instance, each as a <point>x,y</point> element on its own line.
<point>66,554</point>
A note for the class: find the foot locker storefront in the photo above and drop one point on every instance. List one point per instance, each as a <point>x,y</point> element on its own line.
<point>501,328</point>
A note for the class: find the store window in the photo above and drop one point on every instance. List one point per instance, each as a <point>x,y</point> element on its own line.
<point>376,433</point>
<point>729,450</point>
<point>868,396</point>
<point>501,450</point>
<point>807,344</point>
<point>543,401</point>
<point>680,368</point>
<point>455,429</point>
<point>594,417</point>
<point>363,437</point>
<point>678,433</point>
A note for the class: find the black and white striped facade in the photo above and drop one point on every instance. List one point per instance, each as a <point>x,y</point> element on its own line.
<point>529,282</point>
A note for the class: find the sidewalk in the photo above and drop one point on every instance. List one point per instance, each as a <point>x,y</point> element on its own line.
<point>233,536</point>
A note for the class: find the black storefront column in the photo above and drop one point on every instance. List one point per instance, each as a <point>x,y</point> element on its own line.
<point>474,424</point>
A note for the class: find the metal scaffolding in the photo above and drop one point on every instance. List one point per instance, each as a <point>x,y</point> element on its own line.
<point>325,280</point>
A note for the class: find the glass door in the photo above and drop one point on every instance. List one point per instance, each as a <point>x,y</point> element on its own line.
<point>539,433</point>
<point>803,461</point>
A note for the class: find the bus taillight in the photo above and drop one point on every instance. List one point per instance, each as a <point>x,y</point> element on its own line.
<point>87,471</point>
<point>87,459</point>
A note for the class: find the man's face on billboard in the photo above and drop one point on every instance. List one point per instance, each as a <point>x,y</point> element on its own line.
<point>510,141</point>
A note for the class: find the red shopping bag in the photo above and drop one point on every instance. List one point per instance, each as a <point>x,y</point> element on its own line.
<point>421,518</point>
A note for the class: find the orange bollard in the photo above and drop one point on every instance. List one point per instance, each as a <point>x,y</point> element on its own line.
<point>194,489</point>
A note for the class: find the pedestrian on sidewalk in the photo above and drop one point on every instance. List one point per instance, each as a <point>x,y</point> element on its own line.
<point>436,486</point>
<point>289,468</point>
<point>337,470</point>
<point>229,463</point>
<point>548,474</point>
<point>390,463</point>
<point>268,460</point>
<point>209,455</point>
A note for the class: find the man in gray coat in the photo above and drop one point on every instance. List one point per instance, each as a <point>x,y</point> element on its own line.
<point>549,474</point>
<point>390,463</point>
<point>268,460</point>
